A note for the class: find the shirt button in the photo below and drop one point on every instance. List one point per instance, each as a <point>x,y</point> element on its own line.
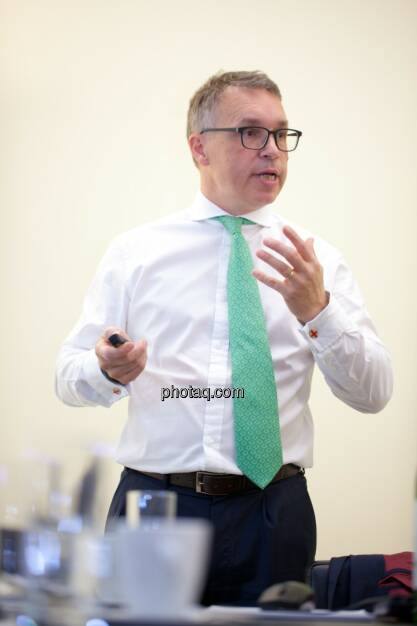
<point>116,391</point>
<point>314,333</point>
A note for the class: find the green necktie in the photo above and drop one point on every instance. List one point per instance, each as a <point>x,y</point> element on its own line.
<point>256,419</point>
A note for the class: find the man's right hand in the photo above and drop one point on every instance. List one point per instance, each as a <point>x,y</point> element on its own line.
<point>124,363</point>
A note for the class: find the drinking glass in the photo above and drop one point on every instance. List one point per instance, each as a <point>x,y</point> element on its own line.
<point>150,507</point>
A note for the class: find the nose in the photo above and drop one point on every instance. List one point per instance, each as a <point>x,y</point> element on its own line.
<point>270,150</point>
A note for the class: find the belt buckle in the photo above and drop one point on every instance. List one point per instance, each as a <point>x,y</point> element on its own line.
<point>199,482</point>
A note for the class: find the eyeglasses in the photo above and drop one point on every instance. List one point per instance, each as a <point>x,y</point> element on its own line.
<point>256,137</point>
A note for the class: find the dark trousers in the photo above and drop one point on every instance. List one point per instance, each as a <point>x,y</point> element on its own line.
<point>261,537</point>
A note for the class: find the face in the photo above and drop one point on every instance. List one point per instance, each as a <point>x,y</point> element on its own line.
<point>235,178</point>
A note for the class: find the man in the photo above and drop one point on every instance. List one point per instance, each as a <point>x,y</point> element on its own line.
<point>182,291</point>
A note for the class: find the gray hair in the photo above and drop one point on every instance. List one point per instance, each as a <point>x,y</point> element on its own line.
<point>204,101</point>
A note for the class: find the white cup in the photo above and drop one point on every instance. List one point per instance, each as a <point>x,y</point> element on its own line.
<point>159,571</point>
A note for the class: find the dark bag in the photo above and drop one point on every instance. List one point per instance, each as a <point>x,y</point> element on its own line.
<point>359,581</point>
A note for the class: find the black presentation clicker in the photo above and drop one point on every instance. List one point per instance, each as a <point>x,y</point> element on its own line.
<point>117,340</point>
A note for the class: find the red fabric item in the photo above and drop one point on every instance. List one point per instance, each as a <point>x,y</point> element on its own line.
<point>398,568</point>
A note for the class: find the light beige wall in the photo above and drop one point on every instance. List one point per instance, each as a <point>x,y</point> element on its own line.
<point>93,101</point>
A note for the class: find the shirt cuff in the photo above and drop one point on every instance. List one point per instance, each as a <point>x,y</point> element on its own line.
<point>93,375</point>
<point>327,327</point>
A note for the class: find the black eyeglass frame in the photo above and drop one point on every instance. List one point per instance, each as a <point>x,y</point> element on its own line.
<point>241,129</point>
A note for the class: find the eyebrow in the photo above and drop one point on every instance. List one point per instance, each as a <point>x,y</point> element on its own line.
<point>249,121</point>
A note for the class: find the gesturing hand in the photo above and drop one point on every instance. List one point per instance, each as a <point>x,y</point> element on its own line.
<point>303,288</point>
<point>124,363</point>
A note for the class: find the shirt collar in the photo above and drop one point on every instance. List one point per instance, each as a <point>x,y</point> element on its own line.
<point>203,209</point>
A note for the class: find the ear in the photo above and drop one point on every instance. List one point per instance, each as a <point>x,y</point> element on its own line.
<point>197,147</point>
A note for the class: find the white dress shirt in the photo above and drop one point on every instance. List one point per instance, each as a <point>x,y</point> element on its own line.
<point>166,282</point>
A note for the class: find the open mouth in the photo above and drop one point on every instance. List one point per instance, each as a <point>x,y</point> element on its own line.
<point>268,176</point>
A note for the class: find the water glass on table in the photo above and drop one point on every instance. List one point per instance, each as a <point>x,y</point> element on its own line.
<point>150,507</point>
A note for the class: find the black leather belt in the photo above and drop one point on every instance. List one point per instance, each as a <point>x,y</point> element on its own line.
<point>213,484</point>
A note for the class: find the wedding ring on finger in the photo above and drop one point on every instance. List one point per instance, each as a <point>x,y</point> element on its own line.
<point>290,273</point>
